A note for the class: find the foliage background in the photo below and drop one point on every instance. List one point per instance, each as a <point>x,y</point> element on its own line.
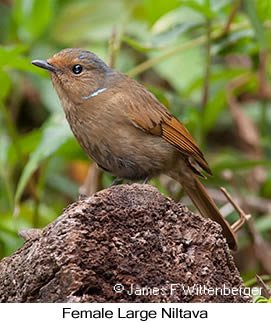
<point>208,61</point>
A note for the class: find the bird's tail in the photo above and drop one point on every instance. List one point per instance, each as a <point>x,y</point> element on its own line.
<point>207,207</point>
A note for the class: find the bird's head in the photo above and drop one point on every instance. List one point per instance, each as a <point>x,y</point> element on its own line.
<point>76,73</point>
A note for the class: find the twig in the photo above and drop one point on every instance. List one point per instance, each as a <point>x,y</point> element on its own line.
<point>264,90</point>
<point>243,216</point>
<point>233,13</point>
<point>189,44</point>
<point>247,131</point>
<point>113,48</point>
<point>266,291</point>
<point>153,61</point>
<point>208,65</point>
<point>254,203</point>
<point>261,247</point>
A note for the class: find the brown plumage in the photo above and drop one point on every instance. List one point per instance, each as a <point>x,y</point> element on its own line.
<point>125,129</point>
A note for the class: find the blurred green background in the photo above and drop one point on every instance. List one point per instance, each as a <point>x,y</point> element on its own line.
<point>208,61</point>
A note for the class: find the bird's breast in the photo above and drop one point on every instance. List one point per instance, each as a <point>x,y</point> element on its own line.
<point>119,147</point>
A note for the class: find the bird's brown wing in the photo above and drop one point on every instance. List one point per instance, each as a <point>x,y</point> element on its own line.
<point>157,120</point>
<point>148,114</point>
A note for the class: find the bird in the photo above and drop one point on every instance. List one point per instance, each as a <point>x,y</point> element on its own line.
<point>125,129</point>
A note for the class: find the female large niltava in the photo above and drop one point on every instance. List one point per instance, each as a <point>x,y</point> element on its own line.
<point>125,129</point>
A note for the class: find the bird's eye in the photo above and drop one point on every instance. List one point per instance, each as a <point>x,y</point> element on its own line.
<point>77,69</point>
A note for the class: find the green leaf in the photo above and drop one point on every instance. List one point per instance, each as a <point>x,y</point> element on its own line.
<point>263,224</point>
<point>234,163</point>
<point>5,21</point>
<point>203,7</point>
<point>32,17</point>
<point>173,33</point>
<point>55,133</point>
<point>255,22</point>
<point>27,143</point>
<point>9,242</point>
<point>133,43</point>
<point>88,20</point>
<point>177,69</point>
<point>261,299</point>
<point>48,94</point>
<point>10,57</point>
<point>266,188</point>
<point>253,281</point>
<point>218,5</point>
<point>173,19</point>
<point>62,184</point>
<point>7,186</point>
<point>156,8</point>
<point>213,109</point>
<point>5,84</point>
<point>263,9</point>
<point>232,39</point>
<point>222,75</point>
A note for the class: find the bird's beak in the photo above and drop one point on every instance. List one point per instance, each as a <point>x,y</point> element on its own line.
<point>45,65</point>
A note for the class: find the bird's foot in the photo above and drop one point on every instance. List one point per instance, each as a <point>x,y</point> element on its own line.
<point>115,181</point>
<point>146,180</point>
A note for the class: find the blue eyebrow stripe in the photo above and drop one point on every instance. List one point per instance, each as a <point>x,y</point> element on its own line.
<point>82,56</point>
<point>94,93</point>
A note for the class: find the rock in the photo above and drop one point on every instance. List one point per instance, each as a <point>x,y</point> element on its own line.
<point>130,235</point>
